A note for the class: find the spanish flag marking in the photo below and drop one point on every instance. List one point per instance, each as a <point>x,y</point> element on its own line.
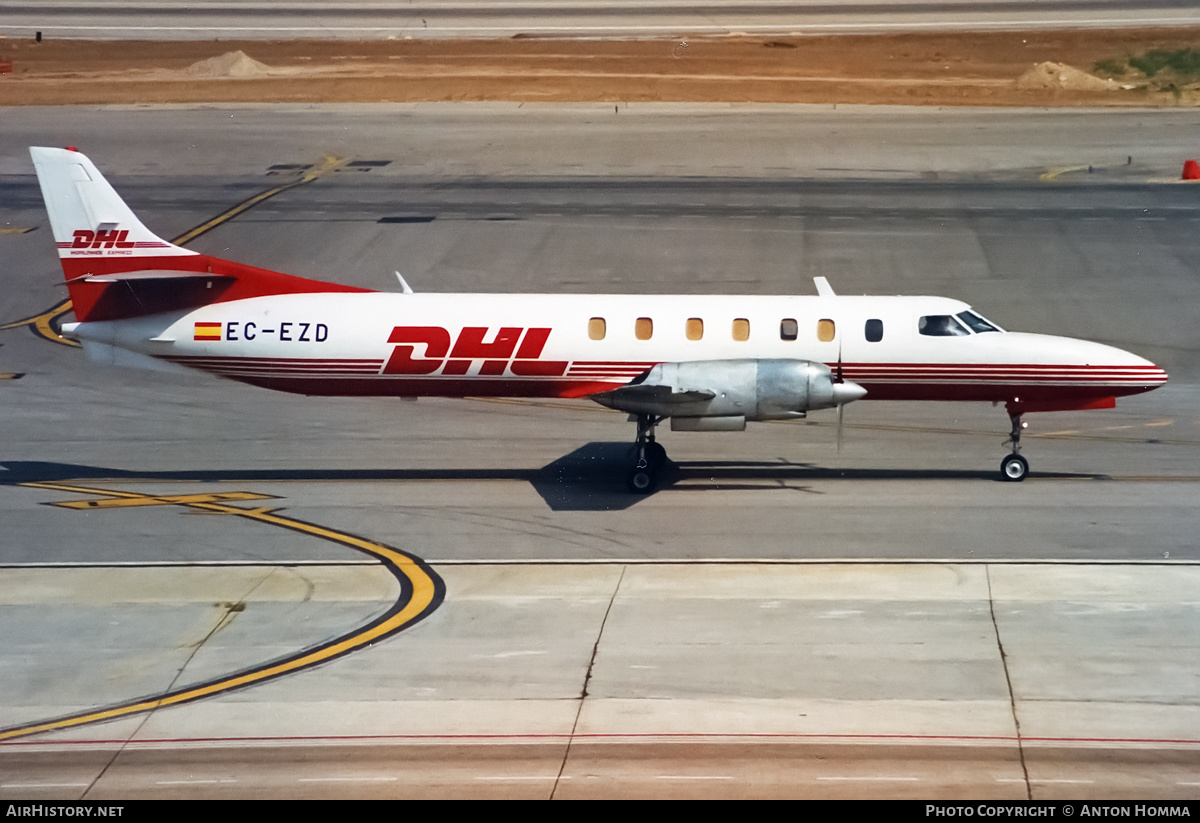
<point>208,331</point>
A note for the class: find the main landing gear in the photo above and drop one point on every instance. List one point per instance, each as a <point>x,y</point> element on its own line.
<point>1014,467</point>
<point>649,456</point>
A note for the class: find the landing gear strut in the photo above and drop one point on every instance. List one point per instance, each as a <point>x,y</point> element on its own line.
<point>649,455</point>
<point>1014,467</point>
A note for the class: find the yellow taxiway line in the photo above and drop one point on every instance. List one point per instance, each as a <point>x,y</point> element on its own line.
<point>44,324</point>
<point>329,164</point>
<point>421,592</point>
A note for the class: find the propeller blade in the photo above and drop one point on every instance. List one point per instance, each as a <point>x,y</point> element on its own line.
<point>841,412</point>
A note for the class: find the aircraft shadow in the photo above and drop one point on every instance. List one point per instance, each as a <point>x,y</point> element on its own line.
<point>591,478</point>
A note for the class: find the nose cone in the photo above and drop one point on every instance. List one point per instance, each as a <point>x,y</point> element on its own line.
<point>1068,364</point>
<point>1155,377</point>
<point>1124,371</point>
<point>847,392</point>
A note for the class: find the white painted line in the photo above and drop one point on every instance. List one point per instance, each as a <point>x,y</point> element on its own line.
<point>347,780</point>
<point>626,561</point>
<point>966,24</point>
<point>768,561</point>
<point>154,564</point>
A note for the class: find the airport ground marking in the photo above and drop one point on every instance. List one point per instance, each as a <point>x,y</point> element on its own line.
<point>46,324</point>
<point>166,500</point>
<point>328,165</point>
<point>421,592</point>
<point>735,27</point>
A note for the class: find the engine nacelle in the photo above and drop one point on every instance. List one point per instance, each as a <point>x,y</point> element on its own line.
<point>750,389</point>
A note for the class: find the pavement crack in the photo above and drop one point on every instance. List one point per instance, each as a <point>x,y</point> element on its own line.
<point>1012,698</point>
<point>229,611</point>
<point>587,678</point>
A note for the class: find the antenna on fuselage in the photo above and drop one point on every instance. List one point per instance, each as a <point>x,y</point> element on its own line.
<point>407,289</point>
<point>823,287</point>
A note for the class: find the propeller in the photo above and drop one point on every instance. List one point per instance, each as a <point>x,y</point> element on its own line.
<point>837,378</point>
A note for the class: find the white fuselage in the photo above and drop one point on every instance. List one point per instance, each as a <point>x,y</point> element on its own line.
<point>577,345</point>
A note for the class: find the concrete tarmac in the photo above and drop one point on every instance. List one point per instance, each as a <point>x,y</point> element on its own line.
<point>282,19</point>
<point>614,680</point>
<point>1038,636</point>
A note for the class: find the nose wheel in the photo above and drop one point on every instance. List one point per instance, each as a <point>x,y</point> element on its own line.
<point>649,456</point>
<point>1014,467</point>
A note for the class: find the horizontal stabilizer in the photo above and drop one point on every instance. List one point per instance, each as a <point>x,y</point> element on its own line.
<point>149,276</point>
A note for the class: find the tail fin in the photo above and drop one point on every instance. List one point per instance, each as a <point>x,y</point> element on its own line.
<point>117,268</point>
<point>89,219</point>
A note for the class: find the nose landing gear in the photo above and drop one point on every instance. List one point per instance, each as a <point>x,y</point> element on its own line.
<point>649,456</point>
<point>1014,467</point>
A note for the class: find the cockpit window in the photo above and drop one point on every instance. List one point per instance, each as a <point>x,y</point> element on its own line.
<point>941,325</point>
<point>976,323</point>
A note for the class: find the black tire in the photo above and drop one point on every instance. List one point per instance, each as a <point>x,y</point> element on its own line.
<point>1014,468</point>
<point>656,455</point>
<point>641,480</point>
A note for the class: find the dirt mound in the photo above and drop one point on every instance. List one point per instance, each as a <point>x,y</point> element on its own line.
<point>229,64</point>
<point>1050,75</point>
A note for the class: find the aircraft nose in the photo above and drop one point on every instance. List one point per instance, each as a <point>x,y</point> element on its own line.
<point>1139,369</point>
<point>847,392</point>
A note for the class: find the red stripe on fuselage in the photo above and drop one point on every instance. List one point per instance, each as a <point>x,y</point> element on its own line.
<point>1000,391</point>
<point>352,377</point>
<point>389,386</point>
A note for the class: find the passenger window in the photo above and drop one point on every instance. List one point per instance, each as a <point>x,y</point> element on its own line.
<point>643,329</point>
<point>695,328</point>
<point>788,329</point>
<point>741,329</point>
<point>597,328</point>
<point>941,325</point>
<point>825,330</point>
<point>874,331</point>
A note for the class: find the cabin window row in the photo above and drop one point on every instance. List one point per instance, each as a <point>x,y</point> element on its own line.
<point>789,329</point>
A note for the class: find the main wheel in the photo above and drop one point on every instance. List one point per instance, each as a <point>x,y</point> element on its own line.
<point>1014,468</point>
<point>641,480</point>
<point>656,455</point>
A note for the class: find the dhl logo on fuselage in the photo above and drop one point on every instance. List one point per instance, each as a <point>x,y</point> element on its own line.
<point>511,347</point>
